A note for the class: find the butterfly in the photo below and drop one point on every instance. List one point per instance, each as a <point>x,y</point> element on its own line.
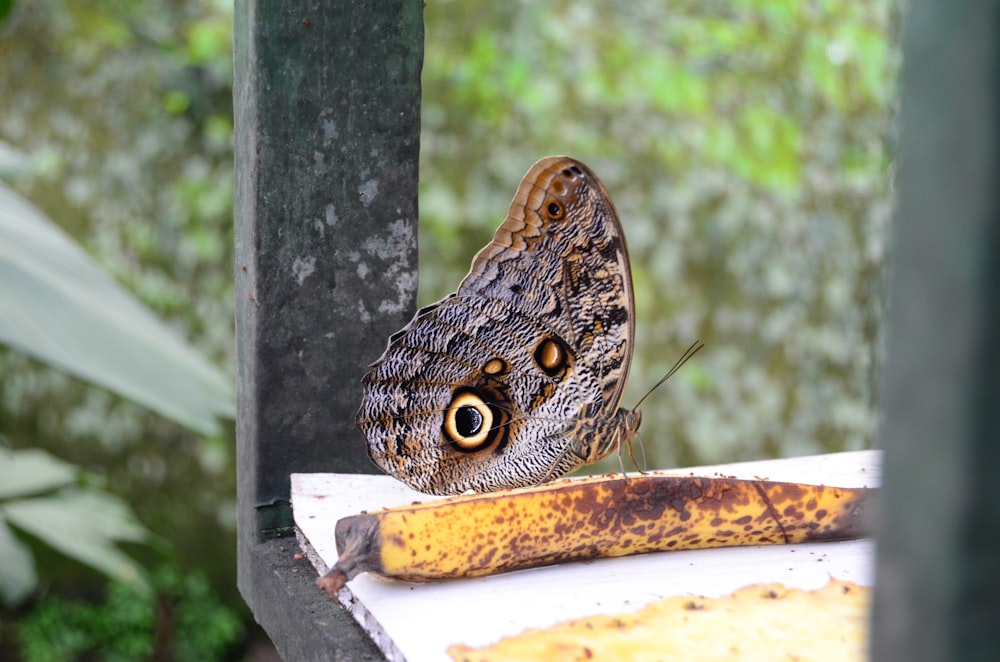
<point>517,377</point>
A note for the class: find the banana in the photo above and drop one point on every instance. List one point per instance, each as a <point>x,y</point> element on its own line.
<point>608,516</point>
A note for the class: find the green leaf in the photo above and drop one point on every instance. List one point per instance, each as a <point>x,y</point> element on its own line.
<point>83,525</point>
<point>17,569</point>
<point>58,306</point>
<point>31,471</point>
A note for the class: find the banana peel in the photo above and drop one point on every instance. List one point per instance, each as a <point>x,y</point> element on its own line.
<point>579,519</point>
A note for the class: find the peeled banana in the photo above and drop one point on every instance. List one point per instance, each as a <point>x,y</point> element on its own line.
<point>483,534</point>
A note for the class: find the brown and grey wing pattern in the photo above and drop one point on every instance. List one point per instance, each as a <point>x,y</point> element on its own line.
<point>503,383</point>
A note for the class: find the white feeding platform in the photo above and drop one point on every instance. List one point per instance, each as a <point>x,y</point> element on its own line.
<point>418,622</point>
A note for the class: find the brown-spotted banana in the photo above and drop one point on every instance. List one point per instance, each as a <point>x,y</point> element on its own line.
<point>483,534</point>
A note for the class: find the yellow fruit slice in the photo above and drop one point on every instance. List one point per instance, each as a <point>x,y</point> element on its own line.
<point>763,622</point>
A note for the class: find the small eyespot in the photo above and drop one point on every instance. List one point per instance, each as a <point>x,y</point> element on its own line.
<point>552,357</point>
<point>495,366</point>
<point>549,355</point>
<point>555,211</point>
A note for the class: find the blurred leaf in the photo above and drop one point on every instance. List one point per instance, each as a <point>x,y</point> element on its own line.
<point>12,161</point>
<point>209,41</point>
<point>31,471</point>
<point>58,306</point>
<point>83,525</point>
<point>17,569</point>
<point>176,102</point>
<point>5,7</point>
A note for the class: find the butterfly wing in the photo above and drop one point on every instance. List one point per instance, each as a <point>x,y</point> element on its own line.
<point>517,377</point>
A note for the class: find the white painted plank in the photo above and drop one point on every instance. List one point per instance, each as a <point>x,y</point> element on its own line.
<point>419,621</point>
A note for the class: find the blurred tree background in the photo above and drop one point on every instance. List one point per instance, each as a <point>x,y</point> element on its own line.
<point>747,145</point>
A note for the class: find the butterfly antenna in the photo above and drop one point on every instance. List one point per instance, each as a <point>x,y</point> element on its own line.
<point>688,353</point>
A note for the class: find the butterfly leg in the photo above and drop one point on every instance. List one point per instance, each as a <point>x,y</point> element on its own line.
<point>628,446</point>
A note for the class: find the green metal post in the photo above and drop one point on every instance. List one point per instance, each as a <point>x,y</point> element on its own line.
<point>327,121</point>
<point>937,591</point>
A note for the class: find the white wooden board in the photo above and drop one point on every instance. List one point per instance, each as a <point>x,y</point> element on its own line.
<point>418,622</point>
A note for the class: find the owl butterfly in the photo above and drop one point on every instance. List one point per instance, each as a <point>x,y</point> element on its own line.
<point>517,377</point>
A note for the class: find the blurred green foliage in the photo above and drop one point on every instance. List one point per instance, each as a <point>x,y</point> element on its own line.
<point>182,620</point>
<point>747,145</point>
<point>124,112</point>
